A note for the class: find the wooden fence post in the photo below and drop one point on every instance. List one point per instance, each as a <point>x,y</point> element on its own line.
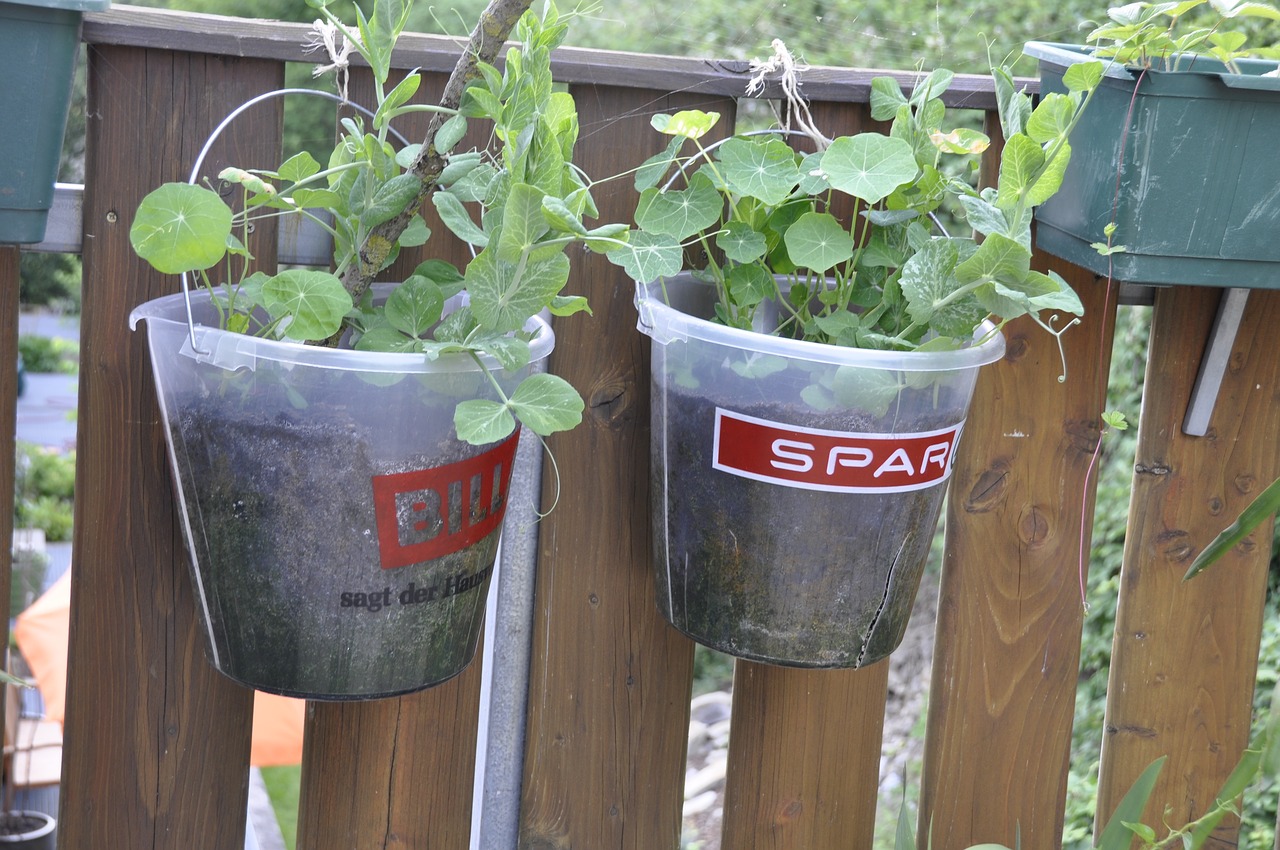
<point>1184,656</point>
<point>157,743</point>
<point>1009,616</point>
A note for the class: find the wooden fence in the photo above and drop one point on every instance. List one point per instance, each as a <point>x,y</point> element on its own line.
<point>157,744</point>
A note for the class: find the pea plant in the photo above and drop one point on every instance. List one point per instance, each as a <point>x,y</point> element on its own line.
<point>518,205</point>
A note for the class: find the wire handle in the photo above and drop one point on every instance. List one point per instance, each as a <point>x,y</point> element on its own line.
<point>208,145</point>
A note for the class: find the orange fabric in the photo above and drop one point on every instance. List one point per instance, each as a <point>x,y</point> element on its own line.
<point>41,633</point>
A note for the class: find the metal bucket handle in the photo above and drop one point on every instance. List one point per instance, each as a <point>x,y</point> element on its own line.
<point>213,137</point>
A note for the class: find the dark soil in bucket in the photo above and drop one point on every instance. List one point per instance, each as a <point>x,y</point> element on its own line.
<point>289,561</point>
<point>779,574</point>
<point>27,829</point>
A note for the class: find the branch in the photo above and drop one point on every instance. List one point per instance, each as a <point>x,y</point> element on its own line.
<point>490,33</point>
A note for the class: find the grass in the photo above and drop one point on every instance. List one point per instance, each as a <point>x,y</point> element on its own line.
<point>283,787</point>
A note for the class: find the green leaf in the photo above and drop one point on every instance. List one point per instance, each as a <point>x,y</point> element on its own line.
<point>315,303</point>
<point>749,285</point>
<point>1021,160</point>
<point>1014,106</point>
<point>869,166</point>
<point>386,338</point>
<point>928,281</point>
<point>886,98</point>
<point>1052,117</point>
<point>813,181</point>
<point>547,403</point>
<point>1050,180</point>
<point>649,256</point>
<point>523,222</point>
<point>300,166</point>
<point>984,217</point>
<point>689,124</point>
<point>397,97</point>
<point>817,241</point>
<point>390,199</point>
<point>1266,504</point>
<point>326,199</point>
<point>1116,836</point>
<point>997,258</point>
<point>568,305</point>
<point>741,242</point>
<point>504,295</point>
<point>765,169</point>
<point>455,217</point>
<point>415,306</point>
<point>415,234</point>
<point>1082,76</point>
<point>1115,419</point>
<point>655,167</point>
<point>181,228</point>
<point>511,351</point>
<point>871,390</point>
<point>450,133</point>
<point>479,421</point>
<point>681,213</point>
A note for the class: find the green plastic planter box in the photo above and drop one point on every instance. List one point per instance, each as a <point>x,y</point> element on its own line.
<point>1197,199</point>
<point>39,40</point>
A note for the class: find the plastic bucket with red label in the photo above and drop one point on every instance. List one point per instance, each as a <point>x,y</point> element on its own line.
<point>796,486</point>
<point>341,538</point>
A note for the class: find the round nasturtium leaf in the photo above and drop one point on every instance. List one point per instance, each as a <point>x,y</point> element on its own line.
<point>181,228</point>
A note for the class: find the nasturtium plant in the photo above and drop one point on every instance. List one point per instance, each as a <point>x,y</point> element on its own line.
<point>763,217</point>
<point>519,206</point>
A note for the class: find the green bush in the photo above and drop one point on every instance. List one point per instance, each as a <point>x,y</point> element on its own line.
<point>42,354</point>
<point>44,487</point>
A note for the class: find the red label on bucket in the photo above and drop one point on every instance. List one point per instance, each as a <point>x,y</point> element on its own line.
<point>835,461</point>
<point>429,513</point>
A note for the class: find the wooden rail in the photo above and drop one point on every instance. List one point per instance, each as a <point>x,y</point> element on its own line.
<point>157,743</point>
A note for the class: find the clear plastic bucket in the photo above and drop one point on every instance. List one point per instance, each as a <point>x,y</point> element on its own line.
<point>796,486</point>
<point>341,537</point>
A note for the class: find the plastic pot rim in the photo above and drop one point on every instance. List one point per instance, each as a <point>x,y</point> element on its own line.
<point>233,351</point>
<point>665,324</point>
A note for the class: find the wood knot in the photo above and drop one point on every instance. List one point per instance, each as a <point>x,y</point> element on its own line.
<point>1245,483</point>
<point>1033,527</point>
<point>988,490</point>
<point>1175,546</point>
<point>1083,434</point>
<point>789,811</point>
<point>1015,348</point>
<point>611,403</point>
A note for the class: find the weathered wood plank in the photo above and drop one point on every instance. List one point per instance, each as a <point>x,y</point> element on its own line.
<point>9,263</point>
<point>1184,656</point>
<point>610,680</point>
<point>1010,614</point>
<point>245,37</point>
<point>157,743</point>
<point>804,757</point>
<point>395,772</point>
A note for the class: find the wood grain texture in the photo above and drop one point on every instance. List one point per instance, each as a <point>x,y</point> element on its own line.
<point>804,760</point>
<point>1010,613</point>
<point>157,743</point>
<point>9,262</point>
<point>1184,654</point>
<point>141,27</point>
<point>394,773</point>
<point>610,680</point>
